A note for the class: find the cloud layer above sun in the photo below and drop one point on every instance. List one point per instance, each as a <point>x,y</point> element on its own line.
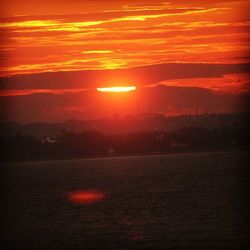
<point>120,34</point>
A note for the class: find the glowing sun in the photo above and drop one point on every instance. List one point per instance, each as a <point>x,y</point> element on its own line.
<point>117,89</point>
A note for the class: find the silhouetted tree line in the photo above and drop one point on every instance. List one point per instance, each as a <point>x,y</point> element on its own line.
<point>93,144</point>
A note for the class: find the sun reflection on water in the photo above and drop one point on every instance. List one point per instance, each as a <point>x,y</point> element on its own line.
<point>86,196</point>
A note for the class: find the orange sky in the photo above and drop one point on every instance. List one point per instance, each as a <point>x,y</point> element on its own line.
<point>100,36</point>
<point>40,36</point>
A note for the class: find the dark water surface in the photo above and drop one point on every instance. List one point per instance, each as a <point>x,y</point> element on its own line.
<point>182,201</point>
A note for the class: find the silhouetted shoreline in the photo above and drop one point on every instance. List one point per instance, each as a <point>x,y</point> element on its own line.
<point>28,149</point>
<point>191,134</point>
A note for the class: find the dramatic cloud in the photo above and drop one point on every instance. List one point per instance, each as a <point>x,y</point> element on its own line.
<point>142,76</point>
<point>45,36</point>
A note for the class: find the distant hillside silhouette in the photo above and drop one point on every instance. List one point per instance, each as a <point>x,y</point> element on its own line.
<point>227,132</point>
<point>128,124</point>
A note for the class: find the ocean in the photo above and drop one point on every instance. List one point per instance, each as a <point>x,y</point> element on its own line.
<point>175,201</point>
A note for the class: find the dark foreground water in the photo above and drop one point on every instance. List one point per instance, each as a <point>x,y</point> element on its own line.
<point>182,201</point>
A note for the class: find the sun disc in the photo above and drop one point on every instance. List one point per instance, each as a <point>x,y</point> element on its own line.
<point>117,89</point>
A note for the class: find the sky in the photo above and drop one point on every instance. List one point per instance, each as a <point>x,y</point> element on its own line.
<point>181,55</point>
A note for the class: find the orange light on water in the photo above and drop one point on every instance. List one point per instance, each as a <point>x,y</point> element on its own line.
<point>86,196</point>
<point>117,89</point>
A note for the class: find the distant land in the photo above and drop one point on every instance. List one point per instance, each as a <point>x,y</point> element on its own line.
<point>128,124</point>
<point>131,135</point>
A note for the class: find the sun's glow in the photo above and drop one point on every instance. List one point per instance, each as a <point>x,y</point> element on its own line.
<point>117,89</point>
